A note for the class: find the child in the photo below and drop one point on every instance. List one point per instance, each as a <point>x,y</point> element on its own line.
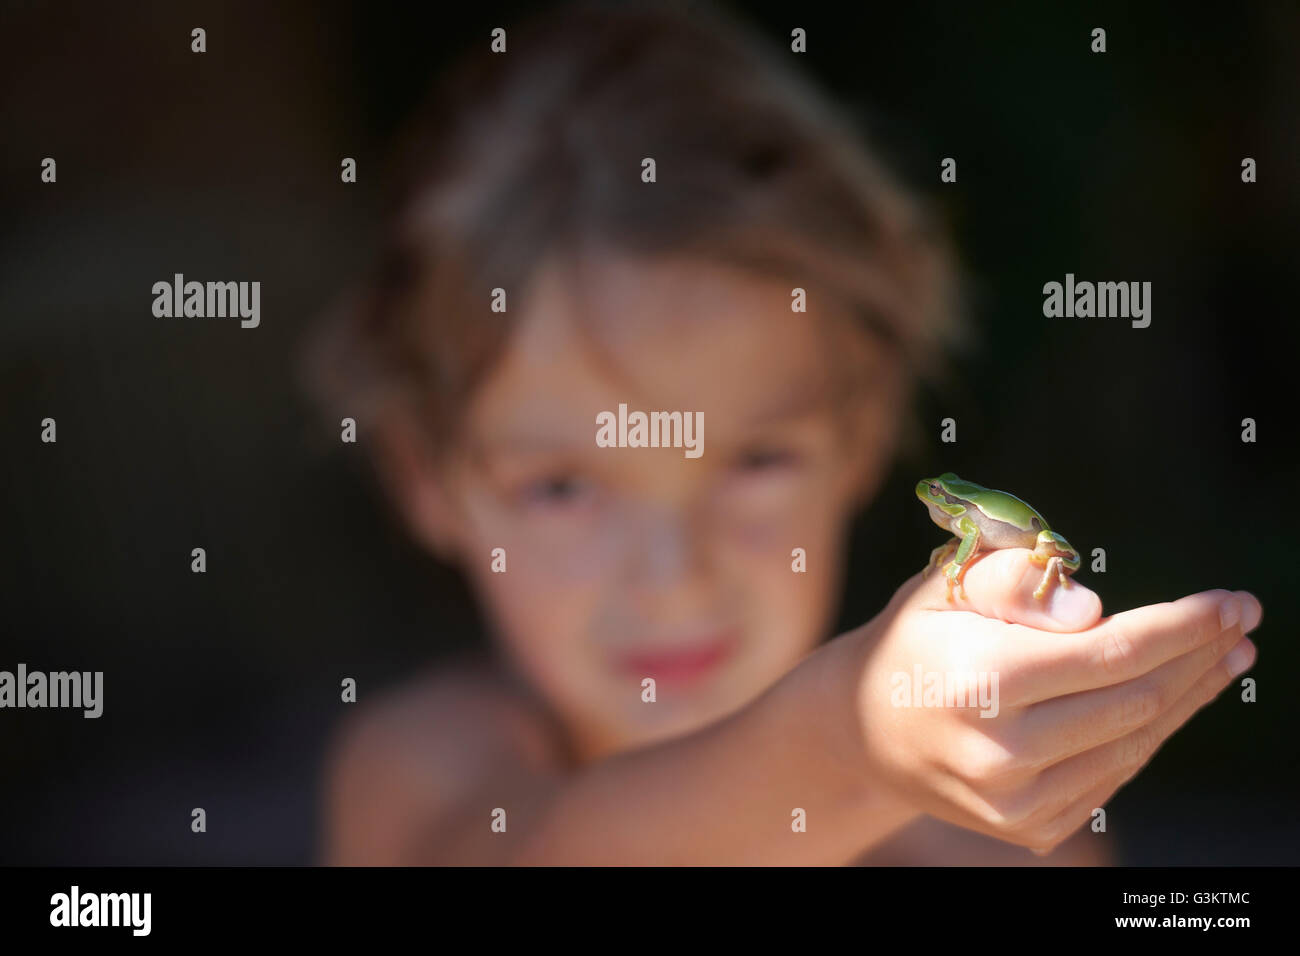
<point>662,689</point>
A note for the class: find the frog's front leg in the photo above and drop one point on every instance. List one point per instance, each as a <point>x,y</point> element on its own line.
<point>1059,558</point>
<point>940,555</point>
<point>955,571</point>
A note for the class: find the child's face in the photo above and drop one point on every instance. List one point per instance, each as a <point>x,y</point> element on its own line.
<point>627,563</point>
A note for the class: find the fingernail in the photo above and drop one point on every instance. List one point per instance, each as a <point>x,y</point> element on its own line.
<point>1240,658</point>
<point>1253,613</point>
<point>1071,606</point>
<point>1229,613</point>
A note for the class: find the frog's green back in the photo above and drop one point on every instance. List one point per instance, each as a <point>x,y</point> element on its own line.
<point>969,489</point>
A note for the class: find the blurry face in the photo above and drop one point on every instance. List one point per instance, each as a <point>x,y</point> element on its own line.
<point>631,563</point>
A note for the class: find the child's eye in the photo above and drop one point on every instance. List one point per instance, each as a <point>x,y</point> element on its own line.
<point>766,459</point>
<point>555,490</point>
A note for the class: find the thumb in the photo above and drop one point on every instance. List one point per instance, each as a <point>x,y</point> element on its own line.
<point>1001,584</point>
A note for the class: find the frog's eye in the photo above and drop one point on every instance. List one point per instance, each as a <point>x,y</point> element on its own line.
<point>934,489</point>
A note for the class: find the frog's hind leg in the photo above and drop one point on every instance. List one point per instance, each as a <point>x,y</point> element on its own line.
<point>1052,552</point>
<point>1054,569</point>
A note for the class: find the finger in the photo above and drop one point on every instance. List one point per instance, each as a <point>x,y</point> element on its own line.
<point>1086,780</point>
<point>1181,675</point>
<point>1052,730</point>
<point>1119,760</point>
<point>1120,648</point>
<point>1000,584</point>
<point>1058,828</point>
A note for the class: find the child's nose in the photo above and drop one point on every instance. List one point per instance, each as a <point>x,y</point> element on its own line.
<point>667,546</point>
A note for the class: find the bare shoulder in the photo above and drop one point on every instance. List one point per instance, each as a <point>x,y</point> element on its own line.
<point>458,711</point>
<point>404,758</point>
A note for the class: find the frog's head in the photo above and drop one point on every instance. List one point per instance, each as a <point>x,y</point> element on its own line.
<point>935,493</point>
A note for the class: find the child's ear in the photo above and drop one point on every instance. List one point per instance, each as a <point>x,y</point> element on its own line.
<point>415,485</point>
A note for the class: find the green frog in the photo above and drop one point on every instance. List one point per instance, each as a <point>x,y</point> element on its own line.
<point>983,519</point>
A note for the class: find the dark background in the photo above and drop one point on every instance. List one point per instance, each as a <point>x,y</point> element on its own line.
<point>221,689</point>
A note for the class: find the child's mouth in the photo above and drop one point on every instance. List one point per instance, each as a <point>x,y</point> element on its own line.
<point>682,664</point>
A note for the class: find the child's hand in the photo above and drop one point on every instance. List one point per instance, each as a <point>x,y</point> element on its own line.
<point>1078,704</point>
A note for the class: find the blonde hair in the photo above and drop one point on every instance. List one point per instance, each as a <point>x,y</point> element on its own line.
<point>519,153</point>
